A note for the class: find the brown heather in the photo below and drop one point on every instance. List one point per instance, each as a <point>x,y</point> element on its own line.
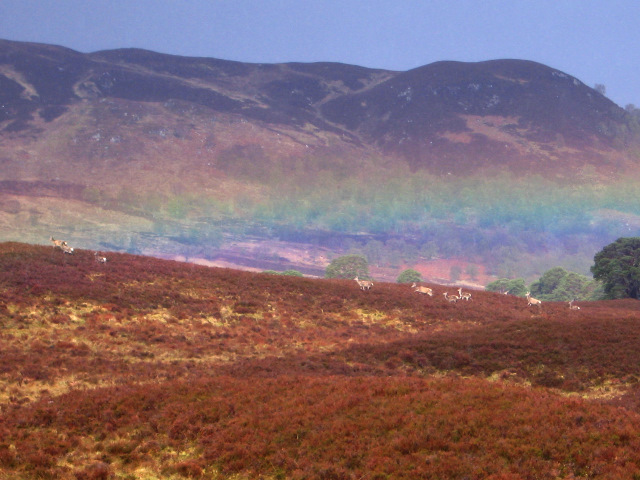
<point>143,369</point>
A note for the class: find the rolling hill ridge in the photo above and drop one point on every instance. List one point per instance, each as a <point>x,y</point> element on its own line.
<point>519,104</point>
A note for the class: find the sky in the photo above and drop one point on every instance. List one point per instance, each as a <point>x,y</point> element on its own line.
<point>596,41</point>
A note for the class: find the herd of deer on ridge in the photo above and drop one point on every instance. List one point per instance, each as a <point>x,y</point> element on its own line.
<point>366,285</point>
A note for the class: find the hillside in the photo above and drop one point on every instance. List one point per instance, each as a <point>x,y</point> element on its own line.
<point>494,163</point>
<point>147,368</point>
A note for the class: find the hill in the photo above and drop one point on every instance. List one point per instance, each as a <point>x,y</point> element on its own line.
<point>256,165</point>
<point>458,109</point>
<point>147,368</point>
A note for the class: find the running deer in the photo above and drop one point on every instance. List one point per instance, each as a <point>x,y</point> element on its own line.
<point>464,296</point>
<point>452,298</point>
<point>532,301</point>
<point>573,307</point>
<point>364,284</point>
<point>58,243</point>
<point>423,290</point>
<point>62,245</point>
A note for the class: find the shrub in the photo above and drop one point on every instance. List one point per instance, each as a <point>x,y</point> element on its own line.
<point>409,276</point>
<point>348,267</point>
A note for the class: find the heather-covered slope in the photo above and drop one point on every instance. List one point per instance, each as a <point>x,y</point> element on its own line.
<point>466,117</point>
<point>514,114</point>
<point>143,368</point>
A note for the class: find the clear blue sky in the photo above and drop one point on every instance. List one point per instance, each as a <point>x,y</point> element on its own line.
<point>595,41</point>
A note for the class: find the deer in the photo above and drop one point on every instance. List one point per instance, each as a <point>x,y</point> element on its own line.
<point>423,290</point>
<point>452,298</point>
<point>58,243</point>
<point>364,284</point>
<point>573,307</point>
<point>533,301</point>
<point>464,296</point>
<point>99,259</point>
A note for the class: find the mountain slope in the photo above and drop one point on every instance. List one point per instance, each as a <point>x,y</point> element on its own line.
<point>457,116</point>
<point>406,113</point>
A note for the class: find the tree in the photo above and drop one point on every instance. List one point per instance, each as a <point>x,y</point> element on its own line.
<point>570,287</point>
<point>618,267</point>
<point>594,290</point>
<point>514,286</point>
<point>409,276</point>
<point>348,266</point>
<point>547,283</point>
<point>560,285</point>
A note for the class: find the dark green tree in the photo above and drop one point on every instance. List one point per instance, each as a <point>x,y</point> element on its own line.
<point>572,286</point>
<point>409,276</point>
<point>515,286</point>
<point>618,267</point>
<point>348,266</point>
<point>548,282</point>
<point>560,285</point>
<point>594,290</point>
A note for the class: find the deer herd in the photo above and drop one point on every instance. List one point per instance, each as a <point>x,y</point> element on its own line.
<point>531,302</point>
<point>363,284</point>
<point>454,298</point>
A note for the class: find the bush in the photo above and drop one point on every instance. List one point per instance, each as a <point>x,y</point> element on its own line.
<point>409,276</point>
<point>292,273</point>
<point>349,267</point>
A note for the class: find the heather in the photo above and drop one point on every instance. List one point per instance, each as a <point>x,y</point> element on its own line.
<point>147,368</point>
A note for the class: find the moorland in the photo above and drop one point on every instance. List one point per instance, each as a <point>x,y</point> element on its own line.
<point>142,368</point>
